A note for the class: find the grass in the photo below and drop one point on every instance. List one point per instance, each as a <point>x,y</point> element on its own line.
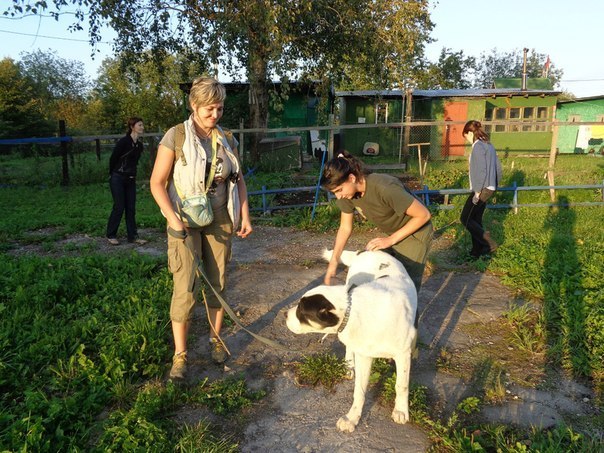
<point>86,336</point>
<point>324,369</point>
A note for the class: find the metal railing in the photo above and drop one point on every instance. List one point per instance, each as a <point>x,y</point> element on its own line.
<point>425,194</point>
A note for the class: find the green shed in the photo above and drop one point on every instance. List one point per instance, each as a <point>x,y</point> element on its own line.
<point>371,107</point>
<point>515,114</point>
<point>582,138</point>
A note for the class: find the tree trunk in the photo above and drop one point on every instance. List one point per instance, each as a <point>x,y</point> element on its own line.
<point>258,101</point>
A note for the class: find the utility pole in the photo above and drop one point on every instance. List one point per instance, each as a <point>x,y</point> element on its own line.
<point>525,50</point>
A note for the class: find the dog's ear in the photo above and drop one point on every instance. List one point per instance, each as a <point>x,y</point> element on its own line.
<point>318,309</point>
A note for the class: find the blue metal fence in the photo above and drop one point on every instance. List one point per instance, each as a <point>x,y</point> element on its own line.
<point>426,193</point>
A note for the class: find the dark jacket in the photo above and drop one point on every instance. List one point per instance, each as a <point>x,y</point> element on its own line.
<point>125,156</point>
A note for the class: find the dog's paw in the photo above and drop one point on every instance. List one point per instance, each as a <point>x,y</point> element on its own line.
<point>345,425</point>
<point>400,417</point>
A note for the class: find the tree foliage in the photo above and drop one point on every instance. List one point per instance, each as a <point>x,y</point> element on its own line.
<point>497,64</point>
<point>453,70</point>
<point>20,109</point>
<point>61,87</point>
<point>330,40</point>
<point>123,91</point>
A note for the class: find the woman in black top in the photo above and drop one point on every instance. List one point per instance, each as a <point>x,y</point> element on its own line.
<point>122,181</point>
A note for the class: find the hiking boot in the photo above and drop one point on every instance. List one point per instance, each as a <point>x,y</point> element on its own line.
<point>179,365</point>
<point>137,240</point>
<point>492,244</point>
<point>219,354</point>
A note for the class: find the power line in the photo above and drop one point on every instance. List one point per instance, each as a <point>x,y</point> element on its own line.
<point>582,80</point>
<point>51,37</point>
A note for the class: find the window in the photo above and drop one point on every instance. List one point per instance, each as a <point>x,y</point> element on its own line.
<point>500,114</point>
<point>519,119</point>
<point>515,115</point>
<point>600,118</point>
<point>381,112</point>
<point>528,115</point>
<point>541,116</point>
<point>488,116</point>
<point>574,118</point>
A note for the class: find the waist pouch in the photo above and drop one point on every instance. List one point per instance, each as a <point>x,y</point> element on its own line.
<point>197,210</point>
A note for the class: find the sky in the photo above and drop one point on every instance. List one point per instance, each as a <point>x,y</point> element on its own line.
<point>568,31</point>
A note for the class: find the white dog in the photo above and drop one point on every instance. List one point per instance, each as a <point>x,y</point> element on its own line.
<point>373,315</point>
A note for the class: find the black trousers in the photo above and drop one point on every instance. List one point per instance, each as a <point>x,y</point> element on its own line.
<point>123,191</point>
<point>471,218</point>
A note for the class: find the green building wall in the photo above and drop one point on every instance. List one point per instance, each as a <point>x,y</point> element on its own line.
<point>353,140</point>
<point>524,141</point>
<point>511,140</point>
<point>581,110</point>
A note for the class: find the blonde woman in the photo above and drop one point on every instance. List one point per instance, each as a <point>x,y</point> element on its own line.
<point>228,197</point>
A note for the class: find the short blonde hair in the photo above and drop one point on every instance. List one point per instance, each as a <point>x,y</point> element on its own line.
<point>206,91</point>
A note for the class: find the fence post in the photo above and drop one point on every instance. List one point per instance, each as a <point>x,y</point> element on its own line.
<point>552,162</point>
<point>515,199</point>
<point>331,137</point>
<point>264,202</point>
<point>426,196</point>
<point>407,127</point>
<point>241,142</point>
<point>63,133</point>
<point>97,144</point>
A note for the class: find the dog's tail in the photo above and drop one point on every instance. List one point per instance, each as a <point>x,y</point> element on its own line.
<point>346,258</point>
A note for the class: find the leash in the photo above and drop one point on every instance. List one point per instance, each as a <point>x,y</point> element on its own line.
<point>199,272</point>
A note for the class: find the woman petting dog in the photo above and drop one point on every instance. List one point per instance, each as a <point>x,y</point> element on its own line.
<point>385,201</point>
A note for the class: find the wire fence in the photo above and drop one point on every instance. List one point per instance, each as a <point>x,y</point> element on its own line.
<point>383,144</point>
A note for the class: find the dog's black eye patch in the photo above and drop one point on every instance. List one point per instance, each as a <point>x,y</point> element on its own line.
<point>318,309</point>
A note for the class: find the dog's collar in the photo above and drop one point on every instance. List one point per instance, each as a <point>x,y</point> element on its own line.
<point>346,316</point>
<point>348,308</point>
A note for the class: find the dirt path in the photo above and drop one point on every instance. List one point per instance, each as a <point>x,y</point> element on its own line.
<point>460,325</point>
<point>460,310</point>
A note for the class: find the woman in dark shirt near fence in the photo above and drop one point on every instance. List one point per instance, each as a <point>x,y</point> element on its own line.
<point>122,181</point>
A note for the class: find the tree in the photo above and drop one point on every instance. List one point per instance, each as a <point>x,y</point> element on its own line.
<point>453,70</point>
<point>139,90</point>
<point>509,65</point>
<point>61,86</point>
<point>20,109</point>
<point>320,39</point>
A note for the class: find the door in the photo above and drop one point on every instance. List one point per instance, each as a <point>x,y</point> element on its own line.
<point>453,142</point>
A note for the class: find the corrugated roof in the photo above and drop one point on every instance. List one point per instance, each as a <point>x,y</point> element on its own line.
<point>584,99</point>
<point>481,92</point>
<point>471,92</point>
<point>371,93</point>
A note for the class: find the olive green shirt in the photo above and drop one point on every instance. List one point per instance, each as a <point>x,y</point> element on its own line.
<point>384,203</point>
